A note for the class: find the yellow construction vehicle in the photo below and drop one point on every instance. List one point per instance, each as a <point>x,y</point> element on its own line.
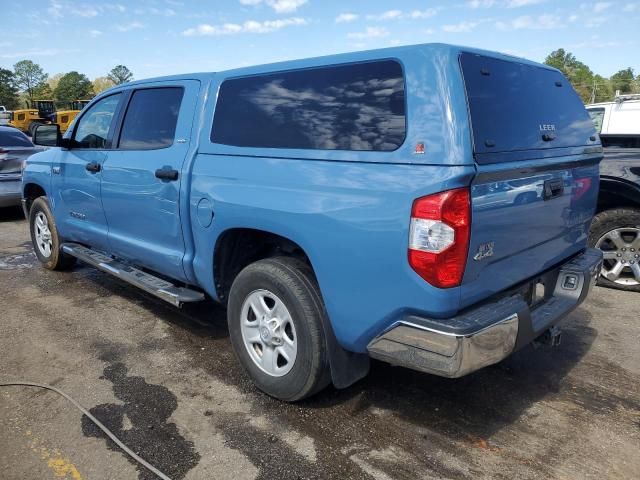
<point>64,117</point>
<point>38,113</point>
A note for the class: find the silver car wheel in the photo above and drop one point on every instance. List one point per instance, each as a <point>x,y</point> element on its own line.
<point>43,234</point>
<point>268,333</point>
<point>621,250</point>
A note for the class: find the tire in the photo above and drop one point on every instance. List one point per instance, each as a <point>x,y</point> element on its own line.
<point>43,228</point>
<point>617,233</point>
<point>280,281</point>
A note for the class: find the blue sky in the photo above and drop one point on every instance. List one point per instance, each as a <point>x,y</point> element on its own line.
<point>157,37</point>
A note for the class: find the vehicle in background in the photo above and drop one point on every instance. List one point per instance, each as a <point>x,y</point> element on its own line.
<point>616,227</point>
<point>64,117</point>
<point>5,116</point>
<point>335,206</point>
<point>37,113</point>
<point>15,148</point>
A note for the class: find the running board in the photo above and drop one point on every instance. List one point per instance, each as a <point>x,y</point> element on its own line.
<point>158,287</point>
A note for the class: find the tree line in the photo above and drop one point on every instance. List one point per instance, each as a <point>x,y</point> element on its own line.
<point>592,87</point>
<point>28,82</point>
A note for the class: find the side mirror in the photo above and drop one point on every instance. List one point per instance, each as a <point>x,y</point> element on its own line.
<point>47,135</point>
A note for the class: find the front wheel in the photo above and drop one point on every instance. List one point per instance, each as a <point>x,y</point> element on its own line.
<point>45,239</point>
<point>275,315</point>
<point>617,233</point>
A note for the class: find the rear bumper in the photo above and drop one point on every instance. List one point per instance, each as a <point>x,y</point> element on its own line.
<point>10,193</point>
<point>486,334</point>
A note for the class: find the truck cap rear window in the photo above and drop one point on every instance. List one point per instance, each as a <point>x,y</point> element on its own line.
<point>515,106</point>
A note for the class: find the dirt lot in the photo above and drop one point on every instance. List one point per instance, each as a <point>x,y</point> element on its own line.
<point>167,383</point>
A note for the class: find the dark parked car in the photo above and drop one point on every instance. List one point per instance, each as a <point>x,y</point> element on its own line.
<point>616,227</point>
<point>15,147</point>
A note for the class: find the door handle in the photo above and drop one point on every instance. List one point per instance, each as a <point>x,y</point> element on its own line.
<point>167,174</point>
<point>553,188</point>
<point>93,167</point>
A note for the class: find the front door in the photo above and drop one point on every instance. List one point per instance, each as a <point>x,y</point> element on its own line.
<point>76,176</point>
<point>142,177</point>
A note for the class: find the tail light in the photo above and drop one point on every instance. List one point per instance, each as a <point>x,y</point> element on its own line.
<point>439,237</point>
<point>582,186</point>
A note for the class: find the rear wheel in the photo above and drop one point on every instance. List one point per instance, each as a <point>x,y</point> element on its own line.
<point>275,317</point>
<point>45,239</point>
<point>617,233</point>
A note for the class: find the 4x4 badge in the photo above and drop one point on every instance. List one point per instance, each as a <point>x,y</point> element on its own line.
<point>484,250</point>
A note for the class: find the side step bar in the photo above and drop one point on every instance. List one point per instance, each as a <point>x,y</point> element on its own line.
<point>158,287</point>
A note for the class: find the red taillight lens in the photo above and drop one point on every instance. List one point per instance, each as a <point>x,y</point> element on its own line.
<point>439,237</point>
<point>581,187</point>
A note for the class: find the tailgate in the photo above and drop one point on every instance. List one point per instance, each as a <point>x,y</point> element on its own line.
<point>536,185</point>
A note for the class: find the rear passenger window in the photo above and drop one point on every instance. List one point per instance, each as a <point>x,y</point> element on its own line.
<point>151,118</point>
<point>346,107</point>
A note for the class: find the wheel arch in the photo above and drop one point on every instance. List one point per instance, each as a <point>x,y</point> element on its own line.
<point>237,247</point>
<point>615,192</point>
<point>31,191</point>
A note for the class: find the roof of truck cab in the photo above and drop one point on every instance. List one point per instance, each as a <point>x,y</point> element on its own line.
<point>364,55</point>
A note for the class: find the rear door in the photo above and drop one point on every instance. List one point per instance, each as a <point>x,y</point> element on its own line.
<point>142,178</point>
<point>537,160</point>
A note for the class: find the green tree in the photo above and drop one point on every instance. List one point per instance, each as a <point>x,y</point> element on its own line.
<point>580,75</point>
<point>73,86</point>
<point>120,74</point>
<point>602,89</point>
<point>623,80</point>
<point>8,90</point>
<point>28,77</point>
<point>53,81</point>
<point>100,84</point>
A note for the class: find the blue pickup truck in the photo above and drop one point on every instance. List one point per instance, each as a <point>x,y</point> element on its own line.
<point>428,206</point>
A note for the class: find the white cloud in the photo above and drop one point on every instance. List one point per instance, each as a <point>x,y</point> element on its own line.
<point>523,3</point>
<point>55,9</point>
<point>280,6</point>
<point>388,15</point>
<point>429,12</point>
<point>462,27</point>
<point>130,26</point>
<point>165,12</point>
<point>370,32</point>
<point>85,11</point>
<point>285,6</point>
<point>34,52</point>
<point>528,22</point>
<point>346,17</point>
<point>250,26</point>
<point>631,7</point>
<point>600,7</point>
<point>481,3</point>
<point>95,33</point>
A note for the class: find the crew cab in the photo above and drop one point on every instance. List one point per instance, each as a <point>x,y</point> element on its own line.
<point>342,208</point>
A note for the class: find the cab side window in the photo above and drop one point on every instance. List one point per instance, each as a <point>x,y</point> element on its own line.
<point>151,119</point>
<point>93,127</point>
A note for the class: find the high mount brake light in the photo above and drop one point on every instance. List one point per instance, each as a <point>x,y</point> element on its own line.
<point>439,237</point>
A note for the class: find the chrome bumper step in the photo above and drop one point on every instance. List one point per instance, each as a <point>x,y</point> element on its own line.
<point>158,287</point>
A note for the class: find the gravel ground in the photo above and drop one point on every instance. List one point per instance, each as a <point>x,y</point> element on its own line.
<point>167,383</point>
